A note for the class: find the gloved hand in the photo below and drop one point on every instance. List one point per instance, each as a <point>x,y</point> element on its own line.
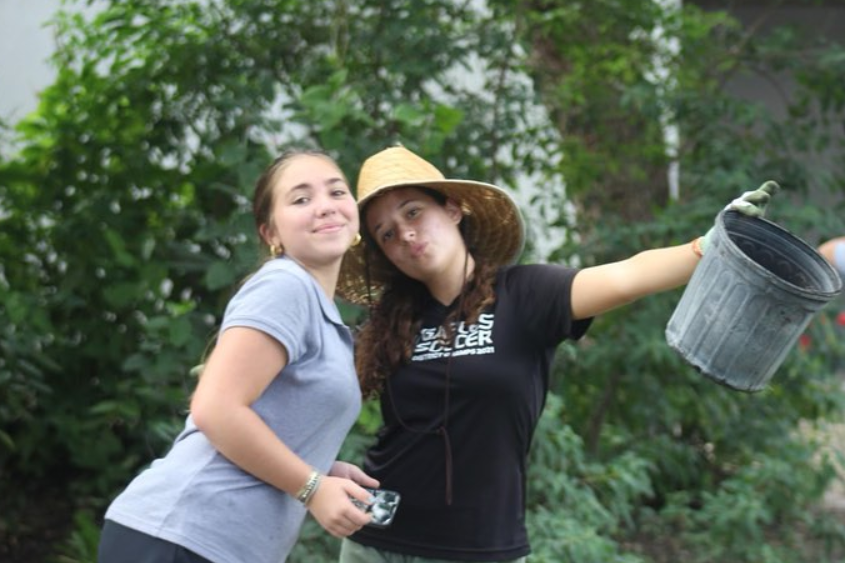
<point>751,203</point>
<point>754,203</point>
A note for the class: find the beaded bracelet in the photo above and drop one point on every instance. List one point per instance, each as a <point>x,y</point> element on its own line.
<point>696,247</point>
<point>309,488</point>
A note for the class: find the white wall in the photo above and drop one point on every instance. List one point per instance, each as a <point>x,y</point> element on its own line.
<point>25,46</point>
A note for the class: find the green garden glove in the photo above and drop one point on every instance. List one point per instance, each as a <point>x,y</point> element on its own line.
<point>751,203</point>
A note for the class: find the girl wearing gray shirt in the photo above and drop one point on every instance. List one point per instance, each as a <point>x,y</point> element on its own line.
<point>275,401</point>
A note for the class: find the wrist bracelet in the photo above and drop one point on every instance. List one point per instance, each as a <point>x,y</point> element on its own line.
<point>309,488</point>
<point>696,247</point>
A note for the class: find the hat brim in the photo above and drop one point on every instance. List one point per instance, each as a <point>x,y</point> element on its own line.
<point>496,234</point>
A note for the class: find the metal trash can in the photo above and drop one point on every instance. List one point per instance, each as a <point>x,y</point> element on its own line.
<point>750,298</point>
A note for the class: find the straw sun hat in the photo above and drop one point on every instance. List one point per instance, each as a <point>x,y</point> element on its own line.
<point>495,230</point>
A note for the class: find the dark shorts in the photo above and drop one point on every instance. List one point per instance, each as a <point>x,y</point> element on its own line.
<point>119,544</point>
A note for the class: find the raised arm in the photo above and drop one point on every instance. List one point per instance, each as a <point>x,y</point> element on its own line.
<point>601,288</point>
<point>598,289</point>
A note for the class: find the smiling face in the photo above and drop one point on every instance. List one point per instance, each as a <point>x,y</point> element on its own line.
<point>313,214</point>
<point>417,233</point>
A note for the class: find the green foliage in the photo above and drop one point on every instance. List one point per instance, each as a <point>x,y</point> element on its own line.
<point>577,504</point>
<point>81,545</point>
<point>731,475</point>
<point>125,226</point>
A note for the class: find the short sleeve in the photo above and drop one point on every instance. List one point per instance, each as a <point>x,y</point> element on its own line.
<point>542,298</point>
<point>276,302</point>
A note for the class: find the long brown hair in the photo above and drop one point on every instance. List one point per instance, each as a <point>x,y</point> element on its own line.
<point>385,341</point>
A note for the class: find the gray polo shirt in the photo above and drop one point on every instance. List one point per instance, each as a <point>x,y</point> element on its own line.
<point>197,498</point>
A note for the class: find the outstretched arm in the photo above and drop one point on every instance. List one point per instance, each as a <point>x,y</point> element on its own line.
<point>601,288</point>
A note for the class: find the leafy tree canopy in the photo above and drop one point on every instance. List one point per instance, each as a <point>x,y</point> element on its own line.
<point>127,223</point>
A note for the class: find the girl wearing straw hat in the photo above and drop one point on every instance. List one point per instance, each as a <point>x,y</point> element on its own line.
<point>459,346</point>
<point>275,400</point>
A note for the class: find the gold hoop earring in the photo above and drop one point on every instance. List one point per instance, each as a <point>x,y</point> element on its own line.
<point>356,240</point>
<point>276,251</point>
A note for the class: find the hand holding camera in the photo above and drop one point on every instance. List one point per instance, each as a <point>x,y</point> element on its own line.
<point>383,508</point>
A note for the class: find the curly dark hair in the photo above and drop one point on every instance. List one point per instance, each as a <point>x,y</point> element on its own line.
<point>385,341</point>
